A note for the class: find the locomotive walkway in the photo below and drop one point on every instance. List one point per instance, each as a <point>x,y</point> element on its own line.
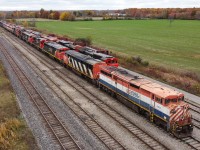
<point>188,96</point>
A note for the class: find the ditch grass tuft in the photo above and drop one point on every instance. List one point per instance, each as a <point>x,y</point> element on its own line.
<point>14,133</point>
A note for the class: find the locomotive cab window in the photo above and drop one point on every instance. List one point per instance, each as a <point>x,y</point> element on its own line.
<point>159,100</point>
<point>174,100</point>
<point>167,101</point>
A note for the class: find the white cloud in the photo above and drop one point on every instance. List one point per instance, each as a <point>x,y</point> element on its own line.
<point>94,4</point>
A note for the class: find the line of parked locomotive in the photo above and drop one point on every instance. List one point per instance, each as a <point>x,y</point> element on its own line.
<point>164,106</point>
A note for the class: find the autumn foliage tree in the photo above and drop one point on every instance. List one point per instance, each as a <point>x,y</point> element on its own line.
<point>56,15</point>
<point>67,16</point>
<point>2,15</point>
<point>131,13</point>
<point>163,13</point>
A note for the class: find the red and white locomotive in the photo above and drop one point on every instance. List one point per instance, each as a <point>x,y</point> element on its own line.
<point>160,104</point>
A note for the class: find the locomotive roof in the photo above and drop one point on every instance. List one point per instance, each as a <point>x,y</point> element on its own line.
<point>82,57</point>
<point>37,36</point>
<point>20,28</point>
<point>143,83</point>
<point>17,26</point>
<point>55,45</point>
<point>65,42</point>
<point>103,55</point>
<point>40,38</point>
<point>94,52</point>
<point>70,46</point>
<point>28,33</point>
<point>51,38</point>
<point>160,90</point>
<point>36,33</point>
<point>89,49</point>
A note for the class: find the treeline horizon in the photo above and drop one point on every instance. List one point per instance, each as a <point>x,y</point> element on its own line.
<point>131,13</point>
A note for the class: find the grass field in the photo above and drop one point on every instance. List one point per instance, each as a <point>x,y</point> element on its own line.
<point>176,45</point>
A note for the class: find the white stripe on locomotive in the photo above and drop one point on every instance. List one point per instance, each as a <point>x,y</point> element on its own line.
<point>73,63</point>
<point>80,66</point>
<point>143,98</point>
<point>85,69</point>
<point>174,116</point>
<point>76,65</point>
<point>90,72</point>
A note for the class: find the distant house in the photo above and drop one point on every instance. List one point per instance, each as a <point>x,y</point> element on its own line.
<point>117,14</point>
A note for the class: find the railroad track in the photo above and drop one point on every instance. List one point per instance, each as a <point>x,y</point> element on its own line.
<point>196,109</point>
<point>59,132</point>
<point>192,142</point>
<point>136,131</point>
<point>196,123</point>
<point>193,106</point>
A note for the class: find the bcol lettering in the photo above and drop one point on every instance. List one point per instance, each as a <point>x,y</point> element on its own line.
<point>134,94</point>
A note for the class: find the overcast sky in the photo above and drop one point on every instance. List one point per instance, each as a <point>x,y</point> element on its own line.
<point>94,4</point>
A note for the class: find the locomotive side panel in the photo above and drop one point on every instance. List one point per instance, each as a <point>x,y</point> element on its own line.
<point>49,49</point>
<point>78,65</point>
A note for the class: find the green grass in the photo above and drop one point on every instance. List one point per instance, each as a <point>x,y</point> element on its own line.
<point>175,46</point>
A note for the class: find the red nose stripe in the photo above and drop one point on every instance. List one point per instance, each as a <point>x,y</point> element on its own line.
<point>178,113</point>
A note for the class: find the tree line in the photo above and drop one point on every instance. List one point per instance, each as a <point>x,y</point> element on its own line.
<point>131,13</point>
<point>168,13</point>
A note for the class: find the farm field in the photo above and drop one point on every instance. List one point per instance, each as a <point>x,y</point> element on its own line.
<point>174,45</point>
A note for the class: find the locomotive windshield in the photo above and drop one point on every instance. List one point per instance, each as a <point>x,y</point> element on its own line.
<point>174,100</point>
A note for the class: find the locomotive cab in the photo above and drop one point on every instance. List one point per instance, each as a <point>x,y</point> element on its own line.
<point>54,49</point>
<point>70,45</point>
<point>180,117</point>
<point>108,59</point>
